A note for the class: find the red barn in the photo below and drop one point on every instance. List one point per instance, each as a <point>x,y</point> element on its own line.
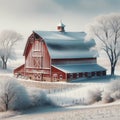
<point>59,56</point>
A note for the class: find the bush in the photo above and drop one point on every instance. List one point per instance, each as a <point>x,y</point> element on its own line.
<point>94,96</point>
<point>112,92</point>
<point>13,96</point>
<point>114,85</point>
<point>106,97</point>
<point>37,97</point>
<point>116,95</point>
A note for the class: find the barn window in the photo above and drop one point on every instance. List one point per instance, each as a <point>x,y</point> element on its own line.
<point>55,76</point>
<point>74,75</point>
<point>81,74</point>
<point>71,75</point>
<point>104,72</point>
<point>89,74</point>
<point>99,73</point>
<point>61,77</point>
<point>86,74</point>
<point>77,75</point>
<point>93,73</point>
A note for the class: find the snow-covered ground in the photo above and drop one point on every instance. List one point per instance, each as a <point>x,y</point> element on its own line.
<point>70,96</point>
<point>94,112</point>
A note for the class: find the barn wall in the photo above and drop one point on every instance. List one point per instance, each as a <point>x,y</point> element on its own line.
<point>46,57</point>
<point>72,76</point>
<point>19,71</point>
<point>58,75</point>
<point>36,75</point>
<point>37,61</point>
<point>38,56</point>
<point>28,60</point>
<point>74,61</point>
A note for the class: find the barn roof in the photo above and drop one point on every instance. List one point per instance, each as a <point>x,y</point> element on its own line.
<point>68,44</point>
<point>77,68</point>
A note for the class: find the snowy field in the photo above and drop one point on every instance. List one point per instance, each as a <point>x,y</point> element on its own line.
<point>71,98</point>
<point>94,112</point>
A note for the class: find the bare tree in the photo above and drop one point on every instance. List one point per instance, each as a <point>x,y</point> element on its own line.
<point>8,39</point>
<point>12,95</point>
<point>107,31</point>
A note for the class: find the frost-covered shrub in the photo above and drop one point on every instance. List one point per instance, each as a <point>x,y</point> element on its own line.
<point>93,96</point>
<point>13,96</point>
<point>55,102</point>
<point>112,92</point>
<point>115,86</point>
<point>37,97</point>
<point>106,97</point>
<point>116,95</point>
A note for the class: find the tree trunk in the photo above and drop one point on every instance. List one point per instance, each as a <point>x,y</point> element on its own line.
<point>6,107</point>
<point>113,65</point>
<point>4,62</point>
<point>112,71</point>
<point>4,65</point>
<point>6,102</point>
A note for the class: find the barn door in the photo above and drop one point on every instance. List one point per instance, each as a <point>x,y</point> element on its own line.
<point>37,54</point>
<point>36,62</point>
<point>38,76</point>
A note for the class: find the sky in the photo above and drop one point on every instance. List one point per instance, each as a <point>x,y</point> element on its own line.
<point>24,16</point>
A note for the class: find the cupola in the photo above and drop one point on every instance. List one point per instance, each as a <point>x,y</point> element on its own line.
<point>61,27</point>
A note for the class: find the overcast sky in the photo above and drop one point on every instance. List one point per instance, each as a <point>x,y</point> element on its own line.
<point>25,16</point>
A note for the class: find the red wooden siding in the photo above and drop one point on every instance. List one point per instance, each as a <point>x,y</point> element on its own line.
<point>46,57</point>
<point>19,71</point>
<point>37,60</point>
<point>58,75</point>
<point>75,60</point>
<point>72,76</point>
<point>39,65</point>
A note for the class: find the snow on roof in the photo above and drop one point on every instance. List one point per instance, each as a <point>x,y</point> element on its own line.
<point>68,44</point>
<point>77,68</point>
<point>56,35</point>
